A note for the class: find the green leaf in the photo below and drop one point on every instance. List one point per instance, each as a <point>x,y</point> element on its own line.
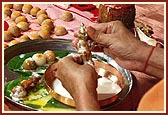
<point>62,53</point>
<point>54,103</point>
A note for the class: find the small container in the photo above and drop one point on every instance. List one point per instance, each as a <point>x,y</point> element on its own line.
<point>123,12</point>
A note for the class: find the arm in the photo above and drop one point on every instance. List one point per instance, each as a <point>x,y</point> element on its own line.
<point>86,100</point>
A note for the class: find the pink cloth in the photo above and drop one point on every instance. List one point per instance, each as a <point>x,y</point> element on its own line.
<point>54,12</point>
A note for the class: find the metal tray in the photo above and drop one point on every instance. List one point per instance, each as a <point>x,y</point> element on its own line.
<point>60,44</point>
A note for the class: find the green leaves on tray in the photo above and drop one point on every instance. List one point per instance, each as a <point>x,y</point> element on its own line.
<point>39,98</point>
<point>15,64</point>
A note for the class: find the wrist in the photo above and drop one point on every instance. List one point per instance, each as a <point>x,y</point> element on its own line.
<point>140,56</point>
<point>84,97</point>
<point>150,57</point>
<point>157,58</point>
<point>143,51</point>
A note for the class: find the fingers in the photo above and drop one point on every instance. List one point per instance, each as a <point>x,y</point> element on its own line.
<point>100,27</point>
<point>54,73</point>
<point>70,60</point>
<point>54,66</point>
<point>77,58</point>
<point>64,66</point>
<point>99,37</point>
<point>97,48</point>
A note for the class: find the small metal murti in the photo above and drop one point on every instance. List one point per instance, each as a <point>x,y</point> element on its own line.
<point>83,46</point>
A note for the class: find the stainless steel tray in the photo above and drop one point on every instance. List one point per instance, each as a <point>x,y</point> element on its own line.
<point>58,44</point>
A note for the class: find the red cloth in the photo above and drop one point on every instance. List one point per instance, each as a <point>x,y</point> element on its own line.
<point>84,7</point>
<point>88,7</point>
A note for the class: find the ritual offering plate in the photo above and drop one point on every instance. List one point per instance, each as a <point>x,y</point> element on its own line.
<point>37,89</point>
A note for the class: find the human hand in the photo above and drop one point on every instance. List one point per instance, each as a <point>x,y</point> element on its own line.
<point>119,43</point>
<point>79,80</point>
<point>76,77</point>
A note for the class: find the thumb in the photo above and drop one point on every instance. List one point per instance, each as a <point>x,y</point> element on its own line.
<point>99,37</point>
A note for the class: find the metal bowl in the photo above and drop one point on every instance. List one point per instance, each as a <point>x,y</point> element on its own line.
<point>102,68</point>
